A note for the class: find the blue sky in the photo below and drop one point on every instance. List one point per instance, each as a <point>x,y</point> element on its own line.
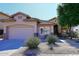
<point>43,11</point>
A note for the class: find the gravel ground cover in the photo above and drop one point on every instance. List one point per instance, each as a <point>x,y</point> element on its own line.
<point>63,47</point>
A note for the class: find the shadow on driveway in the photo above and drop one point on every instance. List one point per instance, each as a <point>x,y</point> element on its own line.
<point>10,44</point>
<point>73,43</point>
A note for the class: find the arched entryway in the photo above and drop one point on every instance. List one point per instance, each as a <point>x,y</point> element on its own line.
<point>56,29</point>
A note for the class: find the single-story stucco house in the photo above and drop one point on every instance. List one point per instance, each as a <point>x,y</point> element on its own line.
<point>22,26</point>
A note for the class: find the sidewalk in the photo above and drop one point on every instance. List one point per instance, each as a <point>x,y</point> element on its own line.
<point>7,52</point>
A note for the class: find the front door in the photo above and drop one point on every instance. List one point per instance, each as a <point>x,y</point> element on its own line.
<point>56,29</point>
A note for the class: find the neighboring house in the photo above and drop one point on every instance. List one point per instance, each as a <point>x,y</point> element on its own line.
<point>22,26</point>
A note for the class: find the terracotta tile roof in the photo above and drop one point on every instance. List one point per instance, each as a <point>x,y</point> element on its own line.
<point>20,13</point>
<point>7,20</point>
<point>4,14</point>
<point>29,18</point>
<point>52,18</point>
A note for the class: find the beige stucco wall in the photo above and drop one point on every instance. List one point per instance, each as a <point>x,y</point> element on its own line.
<point>2,16</point>
<point>49,28</point>
<point>8,24</point>
<point>20,19</point>
<point>1,25</point>
<point>54,21</point>
<point>24,23</point>
<point>57,22</point>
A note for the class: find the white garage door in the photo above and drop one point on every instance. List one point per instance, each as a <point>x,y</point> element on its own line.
<point>20,33</point>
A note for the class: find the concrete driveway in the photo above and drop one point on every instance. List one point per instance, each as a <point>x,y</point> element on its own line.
<point>10,44</point>
<point>7,47</point>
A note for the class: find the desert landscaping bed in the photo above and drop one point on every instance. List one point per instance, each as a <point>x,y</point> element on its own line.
<point>62,48</point>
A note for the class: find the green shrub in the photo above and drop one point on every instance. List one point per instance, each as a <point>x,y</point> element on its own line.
<point>51,39</point>
<point>73,34</point>
<point>33,43</point>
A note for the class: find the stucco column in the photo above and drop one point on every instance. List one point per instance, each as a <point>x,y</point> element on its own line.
<point>4,33</point>
<point>36,30</point>
<point>59,28</point>
<point>52,29</point>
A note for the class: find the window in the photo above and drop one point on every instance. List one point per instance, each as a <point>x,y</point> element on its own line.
<point>19,17</point>
<point>1,32</point>
<point>44,31</point>
<point>41,30</point>
<point>28,17</point>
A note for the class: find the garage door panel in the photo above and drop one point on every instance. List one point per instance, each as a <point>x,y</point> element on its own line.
<point>20,33</point>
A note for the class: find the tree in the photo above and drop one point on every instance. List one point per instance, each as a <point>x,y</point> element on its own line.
<point>68,14</point>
